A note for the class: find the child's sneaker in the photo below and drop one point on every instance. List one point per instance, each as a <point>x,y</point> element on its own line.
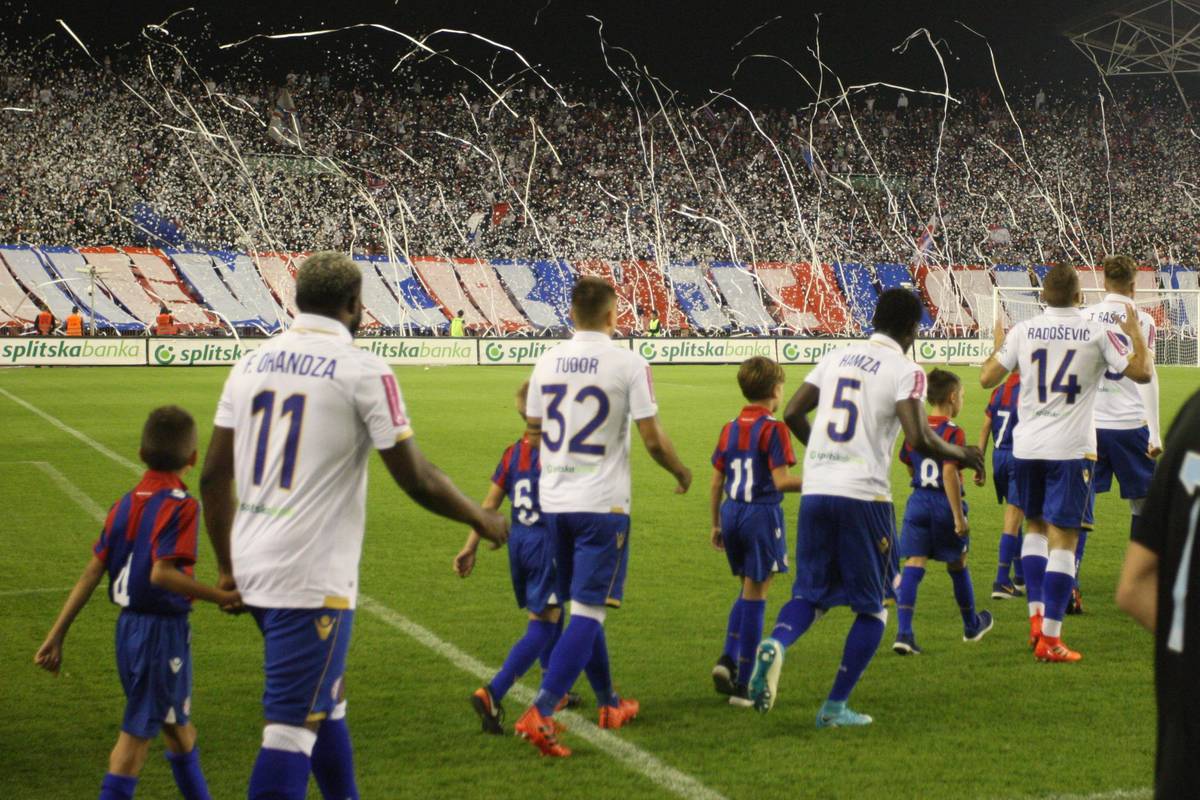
<point>906,645</point>
<point>983,624</point>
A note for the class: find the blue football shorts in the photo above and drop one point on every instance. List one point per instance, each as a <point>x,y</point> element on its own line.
<point>1123,453</point>
<point>928,528</point>
<point>1059,492</point>
<point>1003,478</point>
<point>154,662</point>
<point>593,556</point>
<point>755,539</point>
<point>305,661</point>
<point>531,562</point>
<point>845,552</point>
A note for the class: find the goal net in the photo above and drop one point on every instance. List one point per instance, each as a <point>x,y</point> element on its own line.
<point>1176,313</point>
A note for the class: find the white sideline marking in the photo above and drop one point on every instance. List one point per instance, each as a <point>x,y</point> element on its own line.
<point>1116,794</point>
<point>628,755</point>
<point>62,426</point>
<point>69,489</point>
<point>19,592</point>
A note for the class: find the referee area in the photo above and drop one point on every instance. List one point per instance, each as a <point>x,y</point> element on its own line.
<point>956,722</point>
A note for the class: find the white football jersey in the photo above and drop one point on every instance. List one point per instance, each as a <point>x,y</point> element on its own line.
<point>1062,356</point>
<point>306,410</point>
<point>849,452</point>
<point>1119,405</point>
<point>585,391</point>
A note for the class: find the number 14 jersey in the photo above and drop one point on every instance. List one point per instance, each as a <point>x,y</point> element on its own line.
<point>585,391</point>
<point>1062,356</point>
<point>849,452</point>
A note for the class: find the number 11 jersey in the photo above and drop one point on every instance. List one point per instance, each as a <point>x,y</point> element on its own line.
<point>585,391</point>
<point>306,410</point>
<point>849,452</point>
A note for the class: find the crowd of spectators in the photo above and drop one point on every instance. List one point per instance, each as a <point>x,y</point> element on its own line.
<point>445,167</point>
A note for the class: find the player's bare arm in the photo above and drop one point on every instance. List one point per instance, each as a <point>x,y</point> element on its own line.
<point>49,655</point>
<point>533,429</point>
<point>166,574</point>
<point>985,438</point>
<point>464,562</point>
<point>218,502</point>
<point>431,489</point>
<point>660,448</point>
<point>1141,364</point>
<point>952,486</point>
<point>920,437</point>
<point>784,480</point>
<point>1137,589</point>
<point>795,415</point>
<point>716,491</point>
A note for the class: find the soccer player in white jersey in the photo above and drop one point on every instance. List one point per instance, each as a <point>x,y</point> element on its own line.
<point>1062,356</point>
<point>1127,431</point>
<point>295,425</point>
<point>846,536</point>
<point>582,396</point>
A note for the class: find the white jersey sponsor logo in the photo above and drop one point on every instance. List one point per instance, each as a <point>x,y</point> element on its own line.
<point>585,392</point>
<point>849,451</point>
<point>306,410</point>
<point>1119,404</point>
<point>1062,356</point>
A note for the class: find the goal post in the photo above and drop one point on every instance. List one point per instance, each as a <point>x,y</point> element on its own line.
<point>1176,314</point>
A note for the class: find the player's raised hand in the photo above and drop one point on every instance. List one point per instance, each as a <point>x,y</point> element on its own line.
<point>464,562</point>
<point>718,541</point>
<point>49,655</point>
<point>684,479</point>
<point>494,528</point>
<point>1130,326</point>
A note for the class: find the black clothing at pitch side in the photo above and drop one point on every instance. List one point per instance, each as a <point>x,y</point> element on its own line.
<point>1168,526</point>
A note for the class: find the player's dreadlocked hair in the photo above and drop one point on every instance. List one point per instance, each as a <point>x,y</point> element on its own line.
<point>327,283</point>
<point>897,313</point>
<point>168,439</point>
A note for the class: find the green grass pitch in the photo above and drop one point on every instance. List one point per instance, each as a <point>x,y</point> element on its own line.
<point>963,721</point>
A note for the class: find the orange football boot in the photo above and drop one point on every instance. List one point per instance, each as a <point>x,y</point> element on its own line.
<point>1051,650</point>
<point>541,732</point>
<point>612,717</point>
<point>1035,631</point>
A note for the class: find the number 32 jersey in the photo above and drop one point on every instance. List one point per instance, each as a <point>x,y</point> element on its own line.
<point>306,410</point>
<point>1062,356</point>
<point>853,436</point>
<point>585,391</point>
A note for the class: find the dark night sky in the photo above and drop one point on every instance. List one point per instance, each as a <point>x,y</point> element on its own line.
<point>687,45</point>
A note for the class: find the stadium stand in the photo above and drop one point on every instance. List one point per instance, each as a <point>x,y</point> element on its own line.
<point>743,298</point>
<point>898,276</point>
<point>859,290</point>
<point>15,306</point>
<point>696,298</point>
<point>164,285</point>
<point>483,287</point>
<point>440,278</point>
<point>537,290</point>
<point>200,273</point>
<point>807,300</point>
<point>422,314</point>
<point>68,265</point>
<point>120,281</point>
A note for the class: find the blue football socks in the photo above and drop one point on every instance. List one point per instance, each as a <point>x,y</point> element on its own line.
<point>1018,567</point>
<point>1010,551</point>
<point>906,601</point>
<point>544,658</point>
<point>861,643</point>
<point>753,612</point>
<point>733,629</point>
<point>964,595</point>
<point>333,761</point>
<point>521,657</point>
<point>794,619</point>
<point>279,775</point>
<point>117,787</point>
<point>188,775</point>
<point>1035,575</point>
<point>599,674</point>
<point>1079,548</point>
<point>571,654</point>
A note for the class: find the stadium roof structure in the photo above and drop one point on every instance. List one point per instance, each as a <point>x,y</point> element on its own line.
<point>1144,37</point>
